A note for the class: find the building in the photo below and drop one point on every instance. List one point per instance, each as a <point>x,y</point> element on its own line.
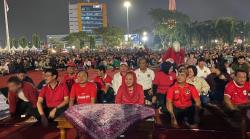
<point>87,16</point>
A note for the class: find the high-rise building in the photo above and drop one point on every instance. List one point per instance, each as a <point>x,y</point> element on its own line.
<point>87,16</point>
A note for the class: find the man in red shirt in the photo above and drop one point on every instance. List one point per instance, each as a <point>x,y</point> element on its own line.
<point>55,95</point>
<point>70,77</point>
<point>22,97</point>
<point>236,95</point>
<point>84,92</point>
<point>179,101</point>
<point>105,93</point>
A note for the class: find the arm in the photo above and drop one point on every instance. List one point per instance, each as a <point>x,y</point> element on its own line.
<point>40,106</point>
<point>93,94</point>
<point>205,86</point>
<point>228,103</point>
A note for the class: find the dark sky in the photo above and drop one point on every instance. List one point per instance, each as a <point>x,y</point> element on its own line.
<point>51,16</point>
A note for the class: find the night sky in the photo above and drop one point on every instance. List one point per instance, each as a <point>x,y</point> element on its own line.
<point>51,16</point>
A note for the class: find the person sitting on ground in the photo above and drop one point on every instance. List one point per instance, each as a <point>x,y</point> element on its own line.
<point>200,84</point>
<point>145,77</point>
<point>180,101</point>
<point>105,93</point>
<point>202,70</point>
<point>56,96</point>
<point>22,98</point>
<point>161,83</point>
<point>22,75</point>
<point>130,92</point>
<point>84,92</point>
<point>70,77</point>
<point>119,78</point>
<point>236,94</point>
<point>241,64</point>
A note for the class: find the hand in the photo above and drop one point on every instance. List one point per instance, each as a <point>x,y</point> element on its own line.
<point>174,123</point>
<point>44,121</point>
<point>52,113</point>
<point>150,92</point>
<point>154,99</point>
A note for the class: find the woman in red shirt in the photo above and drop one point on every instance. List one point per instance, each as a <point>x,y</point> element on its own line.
<point>130,92</point>
<point>84,92</point>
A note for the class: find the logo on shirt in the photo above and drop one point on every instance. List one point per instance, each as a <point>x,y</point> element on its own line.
<point>245,92</point>
<point>170,78</point>
<point>176,91</point>
<point>187,92</point>
<point>148,75</point>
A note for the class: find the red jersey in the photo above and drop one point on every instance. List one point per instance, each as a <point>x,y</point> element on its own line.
<point>102,81</point>
<point>54,97</point>
<point>182,96</point>
<point>237,94</point>
<point>83,94</point>
<point>164,81</point>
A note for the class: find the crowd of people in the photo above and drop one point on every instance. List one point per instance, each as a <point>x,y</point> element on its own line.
<point>179,89</point>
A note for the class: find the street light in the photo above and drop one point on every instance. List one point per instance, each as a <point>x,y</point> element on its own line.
<point>127,4</point>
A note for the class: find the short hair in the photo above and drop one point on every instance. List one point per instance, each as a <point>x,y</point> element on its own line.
<point>52,71</point>
<point>102,68</point>
<point>240,70</point>
<point>201,59</point>
<point>83,71</point>
<point>14,79</point>
<point>194,69</point>
<point>241,57</point>
<point>142,58</point>
<point>22,71</point>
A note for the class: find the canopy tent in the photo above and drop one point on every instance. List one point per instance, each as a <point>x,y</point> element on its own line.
<point>20,48</point>
<point>33,48</point>
<point>26,48</point>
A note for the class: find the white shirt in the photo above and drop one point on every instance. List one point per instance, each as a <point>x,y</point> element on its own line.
<point>203,73</point>
<point>145,78</point>
<point>117,82</point>
<point>20,95</point>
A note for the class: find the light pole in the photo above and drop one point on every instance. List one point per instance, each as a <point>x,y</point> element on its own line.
<point>127,4</point>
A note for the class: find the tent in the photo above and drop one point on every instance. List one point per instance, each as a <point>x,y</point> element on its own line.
<point>20,48</point>
<point>26,48</point>
<point>33,48</point>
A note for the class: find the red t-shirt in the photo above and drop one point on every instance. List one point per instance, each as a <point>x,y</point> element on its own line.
<point>164,81</point>
<point>102,81</point>
<point>182,96</point>
<point>83,94</point>
<point>237,94</point>
<point>54,97</point>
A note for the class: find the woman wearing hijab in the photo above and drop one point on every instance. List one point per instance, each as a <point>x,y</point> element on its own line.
<point>164,79</point>
<point>130,92</point>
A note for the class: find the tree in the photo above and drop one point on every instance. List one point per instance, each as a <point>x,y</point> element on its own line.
<point>23,42</point>
<point>36,40</point>
<point>14,42</point>
<point>111,36</point>
<point>170,26</point>
<point>77,39</point>
<point>92,42</point>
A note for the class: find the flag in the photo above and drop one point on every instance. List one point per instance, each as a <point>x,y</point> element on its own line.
<point>6,6</point>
